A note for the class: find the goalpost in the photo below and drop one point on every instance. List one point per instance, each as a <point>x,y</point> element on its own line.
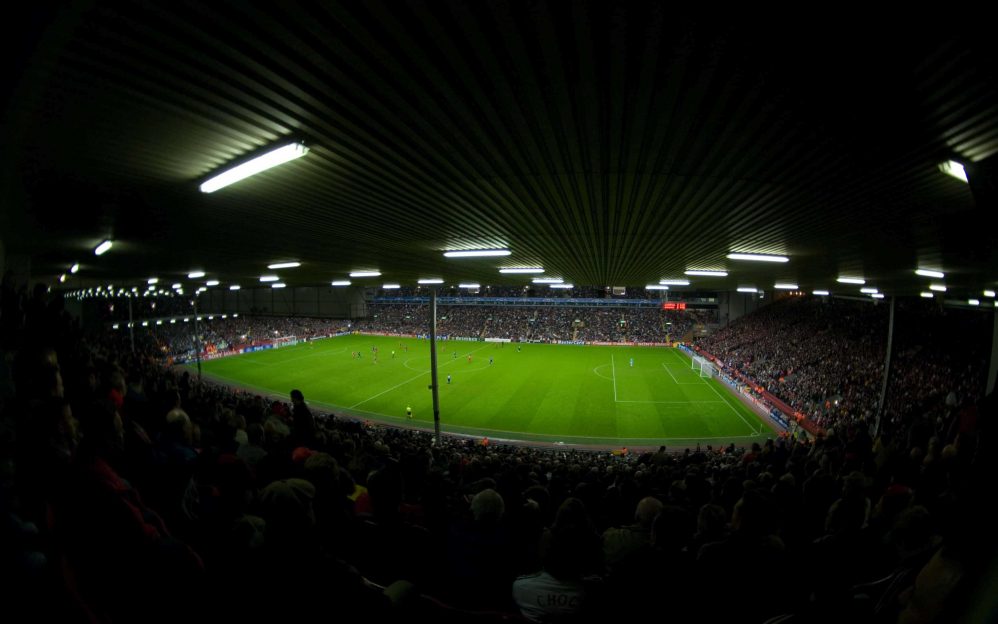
<point>703,366</point>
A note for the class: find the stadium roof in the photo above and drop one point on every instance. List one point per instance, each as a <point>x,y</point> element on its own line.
<point>612,144</point>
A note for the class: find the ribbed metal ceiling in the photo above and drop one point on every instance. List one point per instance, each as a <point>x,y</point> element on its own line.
<point>613,144</point>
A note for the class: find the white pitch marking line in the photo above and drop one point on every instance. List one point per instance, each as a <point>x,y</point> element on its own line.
<point>670,373</point>
<point>409,380</point>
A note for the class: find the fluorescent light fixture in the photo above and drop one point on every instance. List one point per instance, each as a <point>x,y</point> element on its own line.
<point>263,162</point>
<point>430,280</point>
<point>199,318</point>
<point>707,273</point>
<point>926,295</point>
<point>989,293</point>
<point>340,283</point>
<point>366,274</point>
<point>211,318</point>
<point>278,285</point>
<point>284,265</point>
<point>195,274</point>
<point>391,286</point>
<point>101,249</point>
<point>974,301</point>
<point>747,289</point>
<point>235,316</point>
<point>561,285</point>
<point>930,273</point>
<point>477,253</point>
<point>757,257</point>
<point>674,282</point>
<point>177,286</point>
<point>547,280</point>
<point>115,326</point>
<point>656,287</point>
<point>211,283</point>
<point>152,280</point>
<point>851,280</point>
<point>516,270</point>
<point>877,295</point>
<point>62,278</point>
<point>225,316</point>
<point>74,268</point>
<point>955,169</point>
<point>782,286</point>
<point>187,320</point>
<point>269,278</point>
<point>937,287</point>
<point>820,293</point>
<point>173,321</point>
<point>469,285</point>
<point>159,322</point>
<point>235,287</point>
<point>145,323</point>
<point>868,290</point>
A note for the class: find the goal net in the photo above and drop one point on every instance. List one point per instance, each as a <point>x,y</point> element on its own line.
<point>703,367</point>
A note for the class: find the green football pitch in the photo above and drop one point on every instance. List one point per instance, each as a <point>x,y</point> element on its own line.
<point>548,393</point>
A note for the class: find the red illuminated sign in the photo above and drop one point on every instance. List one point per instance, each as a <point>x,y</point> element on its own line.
<point>674,305</point>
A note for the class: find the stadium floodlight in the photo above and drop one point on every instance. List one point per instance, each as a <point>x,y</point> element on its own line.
<point>937,287</point>
<point>235,287</point>
<point>101,249</point>
<point>785,286</point>
<point>469,285</point>
<point>115,326</point>
<point>561,285</point>
<point>187,320</point>
<point>930,273</point>
<point>152,280</point>
<point>177,286</point>
<point>159,322</point>
<point>366,274</point>
<point>656,287</point>
<point>926,295</point>
<point>340,283</point>
<point>851,280</point>
<point>284,265</point>
<point>202,289</point>
<point>955,169</point>
<point>145,323</point>
<point>707,273</point>
<point>263,162</point>
<point>74,268</point>
<point>269,278</point>
<point>225,316</point>
<point>477,253</point>
<point>877,295</point>
<point>974,301</point>
<point>211,318</point>
<point>674,282</point>
<point>391,286</point>
<point>211,283</point>
<point>868,291</point>
<point>757,257</point>
<point>195,274</point>
<point>278,285</point>
<point>173,321</point>
<point>62,278</point>
<point>747,289</point>
<point>820,293</point>
<point>547,280</point>
<point>525,270</point>
<point>235,316</point>
<point>989,293</point>
<point>430,280</point>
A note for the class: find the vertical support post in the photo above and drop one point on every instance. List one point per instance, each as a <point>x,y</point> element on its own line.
<point>131,329</point>
<point>197,337</point>
<point>433,367</point>
<point>887,370</point>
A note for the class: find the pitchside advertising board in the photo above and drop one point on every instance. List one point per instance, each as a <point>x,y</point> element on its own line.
<point>674,305</point>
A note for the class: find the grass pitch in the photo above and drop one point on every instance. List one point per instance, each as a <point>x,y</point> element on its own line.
<point>549,393</point>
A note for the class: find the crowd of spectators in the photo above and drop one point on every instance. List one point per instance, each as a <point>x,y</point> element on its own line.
<point>178,338</point>
<point>134,492</point>
<point>539,323</point>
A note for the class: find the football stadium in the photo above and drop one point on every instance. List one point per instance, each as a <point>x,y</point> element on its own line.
<point>497,311</point>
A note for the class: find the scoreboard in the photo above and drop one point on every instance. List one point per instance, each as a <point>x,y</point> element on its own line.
<point>674,305</point>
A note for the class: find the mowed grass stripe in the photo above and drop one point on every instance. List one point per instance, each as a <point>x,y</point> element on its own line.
<point>544,392</point>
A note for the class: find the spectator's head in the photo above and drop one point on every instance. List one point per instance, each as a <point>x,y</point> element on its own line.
<point>487,507</point>
<point>751,515</point>
<point>297,398</point>
<point>712,523</point>
<point>647,509</point>
<point>287,507</point>
<point>37,375</point>
<point>179,428</point>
